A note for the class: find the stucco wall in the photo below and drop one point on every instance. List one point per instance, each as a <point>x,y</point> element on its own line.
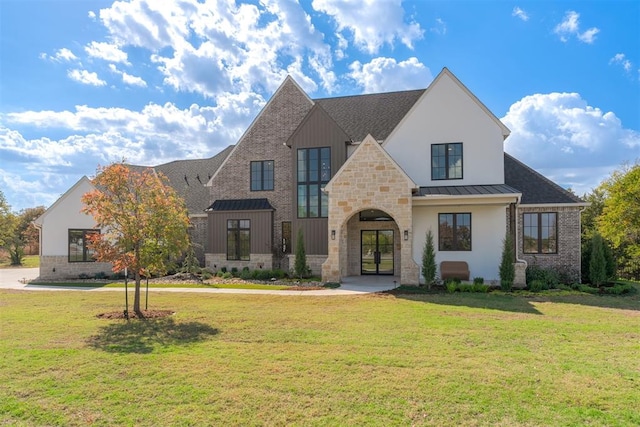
<point>446,113</point>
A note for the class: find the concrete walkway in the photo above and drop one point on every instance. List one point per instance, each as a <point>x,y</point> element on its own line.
<point>18,278</point>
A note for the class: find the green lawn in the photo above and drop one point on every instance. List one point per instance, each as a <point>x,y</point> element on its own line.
<point>143,286</point>
<point>441,359</point>
<point>28,261</point>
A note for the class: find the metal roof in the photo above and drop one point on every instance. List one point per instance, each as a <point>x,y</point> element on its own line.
<point>467,190</point>
<point>241,205</point>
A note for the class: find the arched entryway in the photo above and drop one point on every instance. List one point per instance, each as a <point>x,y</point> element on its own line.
<point>373,240</point>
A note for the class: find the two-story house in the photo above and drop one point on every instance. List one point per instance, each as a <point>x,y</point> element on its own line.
<point>365,177</point>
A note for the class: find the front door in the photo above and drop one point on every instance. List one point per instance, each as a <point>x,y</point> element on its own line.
<point>377,252</point>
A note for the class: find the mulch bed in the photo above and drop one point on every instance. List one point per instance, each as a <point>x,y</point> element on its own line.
<point>146,314</point>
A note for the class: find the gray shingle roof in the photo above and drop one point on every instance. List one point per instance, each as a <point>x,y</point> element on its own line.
<point>467,190</point>
<point>535,188</point>
<point>188,178</point>
<point>377,114</point>
<point>241,205</point>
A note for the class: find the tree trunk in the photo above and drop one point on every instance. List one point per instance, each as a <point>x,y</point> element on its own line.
<point>136,296</point>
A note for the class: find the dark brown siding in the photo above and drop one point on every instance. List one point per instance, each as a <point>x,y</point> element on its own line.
<point>317,130</point>
<point>261,230</point>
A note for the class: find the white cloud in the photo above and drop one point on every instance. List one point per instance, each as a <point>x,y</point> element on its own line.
<point>61,55</point>
<point>520,13</point>
<point>107,51</point>
<point>440,27</point>
<point>133,80</point>
<point>567,139</point>
<point>386,74</point>
<point>570,26</point>
<point>363,20</point>
<point>91,14</point>
<point>85,77</point>
<point>622,60</point>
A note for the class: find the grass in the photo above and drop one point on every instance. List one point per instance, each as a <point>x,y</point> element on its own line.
<point>434,359</point>
<point>29,261</point>
<point>92,284</point>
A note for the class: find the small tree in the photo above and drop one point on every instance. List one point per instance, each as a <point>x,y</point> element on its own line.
<point>507,269</point>
<point>300,264</point>
<point>429,261</point>
<point>143,221</point>
<point>597,262</point>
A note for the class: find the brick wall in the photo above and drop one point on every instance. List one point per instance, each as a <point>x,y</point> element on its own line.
<point>198,235</point>
<point>568,258</point>
<point>265,141</point>
<point>69,270</point>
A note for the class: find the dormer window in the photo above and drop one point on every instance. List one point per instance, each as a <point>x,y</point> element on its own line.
<point>262,175</point>
<point>446,161</point>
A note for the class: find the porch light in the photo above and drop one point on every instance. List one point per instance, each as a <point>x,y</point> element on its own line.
<point>406,234</point>
<point>333,234</point>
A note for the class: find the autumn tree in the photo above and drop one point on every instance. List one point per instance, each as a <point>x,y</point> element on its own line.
<point>619,222</point>
<point>143,221</point>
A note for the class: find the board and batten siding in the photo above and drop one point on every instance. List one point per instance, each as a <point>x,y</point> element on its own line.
<point>261,230</point>
<point>316,130</point>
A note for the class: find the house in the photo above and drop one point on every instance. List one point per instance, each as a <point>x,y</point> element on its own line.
<point>364,177</point>
<point>63,227</point>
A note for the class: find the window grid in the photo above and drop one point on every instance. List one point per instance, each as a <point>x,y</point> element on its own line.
<point>540,233</point>
<point>238,239</point>
<point>446,161</point>
<point>454,232</point>
<point>314,172</point>
<point>262,175</point>
<point>79,250</point>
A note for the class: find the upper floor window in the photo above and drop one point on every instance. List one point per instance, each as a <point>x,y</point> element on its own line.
<point>314,172</point>
<point>262,175</point>
<point>454,232</point>
<point>238,239</point>
<point>446,161</point>
<point>540,233</point>
<point>79,250</point>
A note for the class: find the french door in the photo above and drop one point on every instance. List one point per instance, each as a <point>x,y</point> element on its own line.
<point>376,252</point>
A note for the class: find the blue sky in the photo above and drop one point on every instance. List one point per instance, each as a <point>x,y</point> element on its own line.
<point>84,83</point>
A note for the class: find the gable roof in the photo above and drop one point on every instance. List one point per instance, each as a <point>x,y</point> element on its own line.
<point>188,178</point>
<point>535,188</point>
<point>376,114</point>
<point>38,221</point>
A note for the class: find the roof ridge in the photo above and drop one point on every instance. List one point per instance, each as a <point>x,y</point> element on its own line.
<point>368,94</point>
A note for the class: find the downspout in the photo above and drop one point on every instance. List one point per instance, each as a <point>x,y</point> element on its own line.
<point>515,236</point>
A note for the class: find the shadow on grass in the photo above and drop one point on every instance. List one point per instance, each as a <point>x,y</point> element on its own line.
<point>489,301</point>
<point>144,336</point>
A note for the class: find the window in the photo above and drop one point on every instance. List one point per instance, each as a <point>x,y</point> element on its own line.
<point>314,172</point>
<point>454,232</point>
<point>262,175</point>
<point>79,246</point>
<point>238,239</point>
<point>540,235</point>
<point>446,161</point>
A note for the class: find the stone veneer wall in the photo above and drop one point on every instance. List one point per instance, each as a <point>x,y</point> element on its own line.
<point>568,259</point>
<point>69,270</point>
<point>215,262</point>
<point>264,141</point>
<point>369,180</point>
<point>313,261</point>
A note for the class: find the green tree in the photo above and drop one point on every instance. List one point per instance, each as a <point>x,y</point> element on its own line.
<point>7,222</point>
<point>597,261</point>
<point>300,263</point>
<point>429,260</point>
<point>507,269</point>
<point>619,222</point>
<point>143,221</point>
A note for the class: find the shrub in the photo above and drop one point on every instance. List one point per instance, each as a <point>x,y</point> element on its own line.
<point>480,287</point>
<point>84,276</point>
<point>507,269</point>
<point>429,261</point>
<point>451,286</point>
<point>300,264</point>
<point>234,271</point>
<point>478,280</point>
<point>549,276</point>
<point>227,275</point>
<point>597,262</point>
<point>537,285</point>
<point>206,274</point>
<point>245,274</point>
<point>465,287</point>
<point>223,269</point>
<point>100,275</point>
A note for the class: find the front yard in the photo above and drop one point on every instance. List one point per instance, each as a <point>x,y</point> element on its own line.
<point>440,359</point>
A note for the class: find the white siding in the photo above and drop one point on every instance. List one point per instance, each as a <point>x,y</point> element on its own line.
<point>488,228</point>
<point>63,215</point>
<point>448,113</point>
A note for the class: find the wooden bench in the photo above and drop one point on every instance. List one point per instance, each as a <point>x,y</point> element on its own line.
<point>454,270</point>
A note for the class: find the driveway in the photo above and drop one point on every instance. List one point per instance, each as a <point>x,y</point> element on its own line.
<point>18,278</point>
